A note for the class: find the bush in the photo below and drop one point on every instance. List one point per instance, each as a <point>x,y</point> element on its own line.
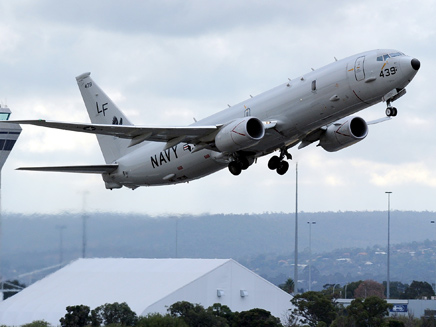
<point>76,316</point>
<point>115,313</point>
<point>37,323</point>
<point>158,320</point>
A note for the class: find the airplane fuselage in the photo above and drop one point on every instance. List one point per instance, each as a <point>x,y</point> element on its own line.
<point>295,109</point>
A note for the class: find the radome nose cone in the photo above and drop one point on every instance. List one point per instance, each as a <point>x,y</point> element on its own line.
<point>415,64</point>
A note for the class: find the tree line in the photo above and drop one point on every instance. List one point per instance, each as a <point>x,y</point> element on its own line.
<point>310,309</point>
<point>366,288</point>
<point>314,309</point>
<point>180,314</point>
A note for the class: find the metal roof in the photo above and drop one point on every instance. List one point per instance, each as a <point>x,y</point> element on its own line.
<point>141,283</point>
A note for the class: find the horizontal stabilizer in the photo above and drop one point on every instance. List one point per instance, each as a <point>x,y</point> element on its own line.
<point>93,169</point>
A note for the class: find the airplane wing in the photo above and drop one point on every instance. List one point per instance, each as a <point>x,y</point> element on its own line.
<point>93,169</point>
<point>138,134</point>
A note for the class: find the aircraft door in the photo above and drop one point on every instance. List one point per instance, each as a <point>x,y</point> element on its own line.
<point>359,70</point>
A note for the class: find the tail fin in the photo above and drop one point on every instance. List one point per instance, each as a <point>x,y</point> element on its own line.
<point>102,110</point>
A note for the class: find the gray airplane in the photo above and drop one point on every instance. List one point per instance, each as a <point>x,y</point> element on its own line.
<point>313,107</point>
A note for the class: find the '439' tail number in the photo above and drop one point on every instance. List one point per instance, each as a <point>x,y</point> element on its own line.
<point>388,72</point>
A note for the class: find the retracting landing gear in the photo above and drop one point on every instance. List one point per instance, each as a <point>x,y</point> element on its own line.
<point>239,164</point>
<point>390,110</point>
<point>277,163</point>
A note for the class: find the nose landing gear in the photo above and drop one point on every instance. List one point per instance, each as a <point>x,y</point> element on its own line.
<point>390,110</point>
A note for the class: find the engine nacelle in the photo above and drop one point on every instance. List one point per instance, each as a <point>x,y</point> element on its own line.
<point>239,134</point>
<point>343,133</point>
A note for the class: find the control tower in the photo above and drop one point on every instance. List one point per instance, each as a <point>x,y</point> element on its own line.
<point>8,136</point>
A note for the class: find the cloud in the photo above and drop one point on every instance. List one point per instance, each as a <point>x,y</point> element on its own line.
<point>395,174</point>
<point>164,62</point>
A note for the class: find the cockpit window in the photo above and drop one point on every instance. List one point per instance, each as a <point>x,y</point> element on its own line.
<point>396,54</point>
<point>391,55</point>
<point>383,58</point>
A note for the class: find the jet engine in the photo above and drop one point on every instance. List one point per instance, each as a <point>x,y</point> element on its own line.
<point>343,133</point>
<point>239,134</point>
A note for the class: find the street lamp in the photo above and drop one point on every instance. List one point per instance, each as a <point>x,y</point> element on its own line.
<point>310,253</point>
<point>389,236</point>
<point>296,233</point>
<point>432,222</point>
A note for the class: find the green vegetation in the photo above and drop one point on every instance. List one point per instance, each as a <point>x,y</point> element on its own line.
<point>180,314</point>
<point>311,309</point>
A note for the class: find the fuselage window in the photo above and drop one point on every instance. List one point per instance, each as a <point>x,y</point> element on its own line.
<point>314,86</point>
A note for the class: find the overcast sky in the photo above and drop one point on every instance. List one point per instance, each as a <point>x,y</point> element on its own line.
<point>165,62</point>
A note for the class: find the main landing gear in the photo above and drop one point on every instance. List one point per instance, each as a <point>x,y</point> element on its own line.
<point>238,165</point>
<point>278,164</point>
<point>391,111</point>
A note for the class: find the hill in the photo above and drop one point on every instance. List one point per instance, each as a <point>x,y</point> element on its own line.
<point>33,242</point>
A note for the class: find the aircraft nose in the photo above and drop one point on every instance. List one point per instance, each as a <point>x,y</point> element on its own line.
<point>416,64</point>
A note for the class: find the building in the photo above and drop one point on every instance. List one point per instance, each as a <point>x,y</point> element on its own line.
<point>146,285</point>
<point>9,134</point>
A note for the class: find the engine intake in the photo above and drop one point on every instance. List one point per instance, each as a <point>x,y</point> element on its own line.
<point>343,133</point>
<point>239,134</point>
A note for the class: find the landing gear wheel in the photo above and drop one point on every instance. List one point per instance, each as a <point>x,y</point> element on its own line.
<point>283,168</point>
<point>235,168</point>
<point>274,163</point>
<point>391,111</point>
<point>244,163</point>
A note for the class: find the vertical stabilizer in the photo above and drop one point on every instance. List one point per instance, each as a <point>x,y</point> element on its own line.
<point>102,110</point>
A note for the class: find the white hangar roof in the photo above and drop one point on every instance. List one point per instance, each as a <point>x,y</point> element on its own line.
<point>146,285</point>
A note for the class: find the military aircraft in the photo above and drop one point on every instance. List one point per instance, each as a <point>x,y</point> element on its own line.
<point>314,107</point>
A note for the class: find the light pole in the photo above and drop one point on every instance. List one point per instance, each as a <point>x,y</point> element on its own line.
<point>84,219</point>
<point>177,237</point>
<point>432,222</point>
<point>296,233</point>
<point>389,240</point>
<point>61,255</point>
<point>310,253</point>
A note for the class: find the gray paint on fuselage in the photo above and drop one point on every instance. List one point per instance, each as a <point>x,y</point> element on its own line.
<point>301,109</point>
<point>297,108</point>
